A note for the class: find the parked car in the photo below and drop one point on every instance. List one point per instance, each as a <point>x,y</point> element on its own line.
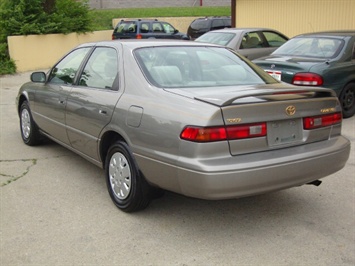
<point>249,42</point>
<point>200,26</point>
<point>146,29</point>
<point>324,59</point>
<point>192,118</point>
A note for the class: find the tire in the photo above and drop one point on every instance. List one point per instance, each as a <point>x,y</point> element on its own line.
<point>128,189</point>
<point>347,100</point>
<point>29,130</point>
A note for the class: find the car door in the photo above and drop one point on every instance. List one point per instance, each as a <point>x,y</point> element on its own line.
<point>252,45</point>
<point>91,102</point>
<point>51,100</point>
<point>158,31</point>
<point>170,31</point>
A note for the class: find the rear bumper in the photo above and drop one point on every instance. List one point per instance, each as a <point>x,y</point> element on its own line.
<point>273,171</point>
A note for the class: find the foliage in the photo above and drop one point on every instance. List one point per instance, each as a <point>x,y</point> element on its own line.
<point>72,16</point>
<point>24,17</point>
<point>7,66</point>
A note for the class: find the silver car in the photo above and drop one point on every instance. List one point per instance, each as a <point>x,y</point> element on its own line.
<point>250,42</point>
<point>192,118</point>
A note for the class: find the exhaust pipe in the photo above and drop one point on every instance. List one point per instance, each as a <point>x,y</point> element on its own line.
<point>315,183</point>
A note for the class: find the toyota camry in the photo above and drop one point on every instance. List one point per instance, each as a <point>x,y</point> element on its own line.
<point>192,118</point>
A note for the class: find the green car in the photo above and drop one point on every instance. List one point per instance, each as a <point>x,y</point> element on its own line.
<point>325,59</point>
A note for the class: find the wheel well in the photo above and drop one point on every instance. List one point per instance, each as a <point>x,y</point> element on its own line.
<point>342,89</point>
<point>107,140</point>
<point>351,81</point>
<point>20,102</point>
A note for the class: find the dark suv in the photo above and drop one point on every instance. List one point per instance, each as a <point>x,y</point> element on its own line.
<point>202,25</point>
<point>145,29</point>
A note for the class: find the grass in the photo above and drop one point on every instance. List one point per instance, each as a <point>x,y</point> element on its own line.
<point>102,19</point>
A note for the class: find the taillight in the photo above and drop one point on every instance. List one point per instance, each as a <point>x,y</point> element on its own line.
<point>322,121</point>
<point>307,79</point>
<point>210,134</point>
<point>246,131</point>
<point>138,36</point>
<point>204,134</point>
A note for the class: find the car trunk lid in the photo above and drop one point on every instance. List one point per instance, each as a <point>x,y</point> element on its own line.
<point>285,67</point>
<point>280,111</point>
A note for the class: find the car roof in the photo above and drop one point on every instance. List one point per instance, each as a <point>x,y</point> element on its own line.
<point>236,30</point>
<point>215,17</point>
<point>338,33</point>
<point>138,19</point>
<point>134,43</point>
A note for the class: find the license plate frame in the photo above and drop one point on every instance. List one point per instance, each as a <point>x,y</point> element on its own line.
<point>275,74</point>
<point>284,132</point>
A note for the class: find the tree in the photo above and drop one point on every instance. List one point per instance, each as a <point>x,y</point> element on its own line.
<point>24,17</point>
<point>48,6</point>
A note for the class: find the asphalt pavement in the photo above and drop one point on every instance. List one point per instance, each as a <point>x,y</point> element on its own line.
<point>55,210</point>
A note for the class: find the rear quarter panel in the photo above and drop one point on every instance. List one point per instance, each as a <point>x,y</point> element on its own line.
<point>151,119</point>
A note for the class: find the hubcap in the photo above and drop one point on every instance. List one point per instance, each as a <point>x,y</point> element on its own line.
<point>348,102</point>
<point>120,176</point>
<point>25,123</point>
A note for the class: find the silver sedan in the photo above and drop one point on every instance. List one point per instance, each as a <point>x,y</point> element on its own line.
<point>192,118</point>
<point>250,42</point>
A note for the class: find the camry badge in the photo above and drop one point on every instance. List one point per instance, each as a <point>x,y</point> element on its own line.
<point>290,110</point>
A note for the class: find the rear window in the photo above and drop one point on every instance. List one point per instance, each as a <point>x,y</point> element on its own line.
<point>200,24</point>
<point>311,47</point>
<point>227,22</point>
<point>187,66</point>
<point>126,27</point>
<point>274,39</point>
<point>216,38</point>
<point>217,24</point>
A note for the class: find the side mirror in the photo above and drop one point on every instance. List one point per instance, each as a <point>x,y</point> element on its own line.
<point>39,77</point>
<point>176,31</point>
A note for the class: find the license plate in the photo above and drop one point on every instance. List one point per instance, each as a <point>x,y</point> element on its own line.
<point>284,132</point>
<point>274,74</point>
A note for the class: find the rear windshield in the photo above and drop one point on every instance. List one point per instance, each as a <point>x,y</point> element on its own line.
<point>200,24</point>
<point>227,22</point>
<point>191,66</point>
<point>127,27</point>
<point>311,47</point>
<point>216,38</point>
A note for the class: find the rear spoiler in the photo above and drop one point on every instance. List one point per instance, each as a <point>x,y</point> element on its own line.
<point>261,95</point>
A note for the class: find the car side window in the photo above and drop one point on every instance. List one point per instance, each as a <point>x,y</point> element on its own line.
<point>274,39</point>
<point>64,72</point>
<point>101,69</point>
<point>157,27</point>
<point>168,28</point>
<point>144,27</point>
<point>251,40</point>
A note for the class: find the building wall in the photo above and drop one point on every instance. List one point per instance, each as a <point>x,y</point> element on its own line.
<point>294,17</point>
<point>33,52</point>
<point>107,4</point>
